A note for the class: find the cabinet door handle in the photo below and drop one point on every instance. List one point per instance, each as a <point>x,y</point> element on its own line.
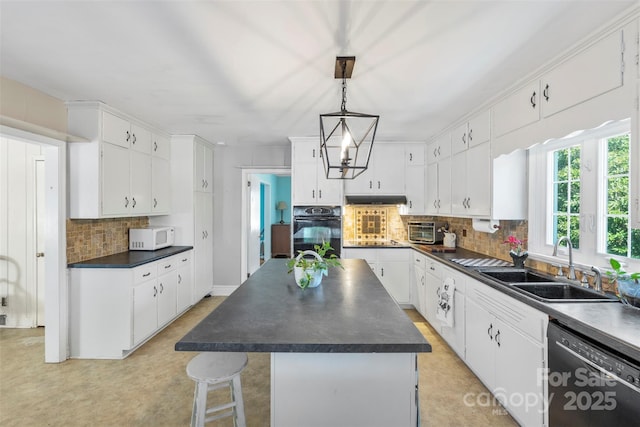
<point>167,266</point>
<point>464,138</point>
<point>161,287</point>
<point>313,194</point>
<point>126,202</point>
<point>490,331</point>
<point>313,153</point>
<point>133,140</point>
<point>410,204</point>
<point>469,202</point>
<point>133,202</point>
<point>533,99</point>
<point>155,202</point>
<point>155,291</point>
<point>545,92</point>
<point>155,146</point>
<point>319,194</point>
<point>184,259</point>
<point>411,157</point>
<point>146,274</point>
<point>203,235</point>
<point>498,337</point>
<point>179,279</point>
<point>470,135</point>
<point>128,136</point>
<point>378,185</point>
<point>438,150</point>
<point>370,184</point>
<point>438,203</point>
<point>382,272</point>
<point>435,152</point>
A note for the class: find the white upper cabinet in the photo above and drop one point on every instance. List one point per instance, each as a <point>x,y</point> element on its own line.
<point>517,110</point>
<point>592,72</point>
<point>414,154</point>
<point>385,174</point>
<point>438,176</point>
<point>474,132</point>
<point>309,184</point>
<point>113,175</point>
<point>203,170</point>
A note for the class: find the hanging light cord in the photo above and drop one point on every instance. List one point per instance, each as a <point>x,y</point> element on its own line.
<point>343,107</point>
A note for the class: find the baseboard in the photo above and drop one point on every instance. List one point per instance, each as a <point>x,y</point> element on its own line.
<point>223,290</point>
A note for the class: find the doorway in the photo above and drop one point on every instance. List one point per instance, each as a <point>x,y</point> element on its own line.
<point>48,207</point>
<point>263,190</point>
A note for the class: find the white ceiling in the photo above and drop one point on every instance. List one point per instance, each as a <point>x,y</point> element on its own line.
<point>256,72</point>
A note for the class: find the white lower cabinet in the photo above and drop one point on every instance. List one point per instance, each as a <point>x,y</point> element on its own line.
<point>418,288</point>
<point>391,266</point>
<point>114,310</point>
<point>506,348</point>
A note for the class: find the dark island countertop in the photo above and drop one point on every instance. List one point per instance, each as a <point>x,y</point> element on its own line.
<point>130,259</point>
<point>350,312</point>
<point>612,324</point>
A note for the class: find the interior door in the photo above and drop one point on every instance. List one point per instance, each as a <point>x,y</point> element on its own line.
<point>253,243</point>
<point>40,214</point>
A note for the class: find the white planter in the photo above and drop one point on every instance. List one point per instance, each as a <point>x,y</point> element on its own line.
<point>299,273</point>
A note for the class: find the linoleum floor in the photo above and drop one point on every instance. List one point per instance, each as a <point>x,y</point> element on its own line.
<point>151,388</point>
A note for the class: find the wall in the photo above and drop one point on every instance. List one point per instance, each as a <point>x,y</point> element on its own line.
<point>229,162</point>
<point>30,105</point>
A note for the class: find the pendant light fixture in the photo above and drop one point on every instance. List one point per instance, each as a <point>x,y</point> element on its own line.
<point>346,138</point>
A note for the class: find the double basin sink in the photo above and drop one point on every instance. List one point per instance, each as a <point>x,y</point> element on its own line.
<point>542,287</point>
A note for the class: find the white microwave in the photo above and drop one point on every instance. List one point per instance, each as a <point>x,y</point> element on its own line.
<point>150,238</point>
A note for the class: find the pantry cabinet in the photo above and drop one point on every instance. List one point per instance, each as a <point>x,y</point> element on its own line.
<point>506,348</point>
<point>438,179</point>
<point>113,175</point>
<point>192,208</point>
<point>309,184</point>
<point>115,310</point>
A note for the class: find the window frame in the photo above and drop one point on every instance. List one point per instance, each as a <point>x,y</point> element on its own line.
<point>591,198</point>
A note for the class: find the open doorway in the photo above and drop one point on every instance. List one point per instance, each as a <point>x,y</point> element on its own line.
<point>44,248</point>
<point>265,191</point>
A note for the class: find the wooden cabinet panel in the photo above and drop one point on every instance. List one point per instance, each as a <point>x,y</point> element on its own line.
<point>281,240</point>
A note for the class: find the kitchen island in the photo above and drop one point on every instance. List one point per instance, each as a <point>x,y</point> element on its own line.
<point>343,353</point>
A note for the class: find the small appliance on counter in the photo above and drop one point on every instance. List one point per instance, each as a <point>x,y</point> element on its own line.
<point>426,233</point>
<point>151,238</point>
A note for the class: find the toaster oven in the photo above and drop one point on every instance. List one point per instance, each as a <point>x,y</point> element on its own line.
<point>426,233</point>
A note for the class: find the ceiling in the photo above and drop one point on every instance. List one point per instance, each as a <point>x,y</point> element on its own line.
<point>256,72</point>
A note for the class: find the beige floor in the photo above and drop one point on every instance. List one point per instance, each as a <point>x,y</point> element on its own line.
<point>150,388</point>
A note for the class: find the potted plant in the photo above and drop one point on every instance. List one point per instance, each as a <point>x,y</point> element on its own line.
<point>628,284</point>
<point>517,252</point>
<point>308,272</point>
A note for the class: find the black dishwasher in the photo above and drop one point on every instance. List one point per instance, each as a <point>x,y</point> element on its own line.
<point>590,385</point>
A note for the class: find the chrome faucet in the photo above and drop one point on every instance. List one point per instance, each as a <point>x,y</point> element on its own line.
<point>597,280</point>
<point>572,269</point>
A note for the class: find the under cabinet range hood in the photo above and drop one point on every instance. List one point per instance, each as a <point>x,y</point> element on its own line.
<point>376,200</point>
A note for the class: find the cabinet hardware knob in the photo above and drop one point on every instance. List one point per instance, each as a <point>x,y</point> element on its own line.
<point>378,185</point>
<point>146,274</point>
<point>382,272</point>
<point>184,259</point>
<point>410,204</point>
<point>370,184</point>
<point>533,99</point>
<point>470,135</point>
<point>133,202</point>
<point>438,150</point>
<point>167,266</point>
<point>313,194</point>
<point>133,141</point>
<point>490,330</point>
<point>464,138</point>
<point>498,337</point>
<point>161,287</point>
<point>155,146</point>
<point>435,152</point>
<point>155,202</point>
<point>411,157</point>
<point>126,202</point>
<point>179,279</point>
<point>314,153</point>
<point>319,194</point>
<point>545,92</point>
<point>155,291</point>
<point>128,136</point>
<point>39,254</point>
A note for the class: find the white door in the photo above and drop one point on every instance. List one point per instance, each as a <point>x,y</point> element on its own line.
<point>253,242</point>
<point>40,215</point>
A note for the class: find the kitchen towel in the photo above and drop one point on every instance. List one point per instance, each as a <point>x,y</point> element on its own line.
<point>444,311</point>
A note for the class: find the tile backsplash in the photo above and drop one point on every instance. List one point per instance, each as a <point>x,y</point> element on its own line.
<point>93,238</point>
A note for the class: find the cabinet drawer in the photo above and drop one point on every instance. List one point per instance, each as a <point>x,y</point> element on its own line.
<point>368,255</point>
<point>145,272</point>
<point>168,264</point>
<point>394,254</point>
<point>419,260</point>
<point>433,267</point>
<point>184,258</point>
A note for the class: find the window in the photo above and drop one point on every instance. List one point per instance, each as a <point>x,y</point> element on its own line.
<point>580,188</point>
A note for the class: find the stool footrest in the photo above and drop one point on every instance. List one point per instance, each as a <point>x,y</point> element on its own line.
<point>220,407</point>
<point>219,416</point>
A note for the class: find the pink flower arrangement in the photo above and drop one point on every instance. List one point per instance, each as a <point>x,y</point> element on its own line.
<point>515,244</point>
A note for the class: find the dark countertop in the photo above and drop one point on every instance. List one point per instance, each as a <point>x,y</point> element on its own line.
<point>130,259</point>
<point>350,312</point>
<point>613,324</point>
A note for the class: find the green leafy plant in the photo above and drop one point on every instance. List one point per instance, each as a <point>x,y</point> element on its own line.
<point>312,265</point>
<point>618,272</point>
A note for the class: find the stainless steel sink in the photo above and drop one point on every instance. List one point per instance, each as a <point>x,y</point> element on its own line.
<point>561,292</point>
<point>543,287</point>
<point>514,275</point>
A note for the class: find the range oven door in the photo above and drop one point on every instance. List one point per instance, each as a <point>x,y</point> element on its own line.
<point>310,231</point>
<point>590,385</point>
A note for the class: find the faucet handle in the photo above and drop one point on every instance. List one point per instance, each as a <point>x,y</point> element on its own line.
<point>584,281</point>
<point>560,272</point>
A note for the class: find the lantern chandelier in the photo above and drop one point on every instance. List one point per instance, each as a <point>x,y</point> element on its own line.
<point>346,138</point>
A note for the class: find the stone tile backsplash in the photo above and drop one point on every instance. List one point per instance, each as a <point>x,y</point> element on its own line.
<point>93,238</point>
